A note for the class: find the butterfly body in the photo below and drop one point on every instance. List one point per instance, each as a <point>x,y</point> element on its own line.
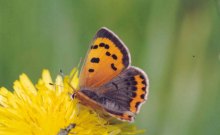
<point>108,82</point>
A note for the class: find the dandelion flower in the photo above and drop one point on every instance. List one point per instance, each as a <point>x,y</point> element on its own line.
<point>45,109</point>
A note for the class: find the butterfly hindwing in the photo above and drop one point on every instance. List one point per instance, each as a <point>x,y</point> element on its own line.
<point>127,93</point>
<point>107,57</point>
<point>122,96</point>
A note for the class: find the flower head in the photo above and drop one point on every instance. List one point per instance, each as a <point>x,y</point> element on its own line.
<point>47,109</point>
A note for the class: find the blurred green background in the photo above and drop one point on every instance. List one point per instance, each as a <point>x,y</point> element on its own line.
<point>177,42</point>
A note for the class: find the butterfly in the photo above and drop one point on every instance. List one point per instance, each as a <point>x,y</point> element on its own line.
<point>108,82</point>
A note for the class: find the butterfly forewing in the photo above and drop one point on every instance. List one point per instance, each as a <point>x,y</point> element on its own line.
<point>106,58</point>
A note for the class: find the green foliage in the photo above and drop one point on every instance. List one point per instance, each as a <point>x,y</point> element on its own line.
<point>175,41</point>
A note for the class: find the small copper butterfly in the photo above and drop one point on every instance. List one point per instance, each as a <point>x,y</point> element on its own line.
<point>108,82</point>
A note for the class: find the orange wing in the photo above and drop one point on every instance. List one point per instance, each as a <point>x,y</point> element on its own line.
<point>106,58</point>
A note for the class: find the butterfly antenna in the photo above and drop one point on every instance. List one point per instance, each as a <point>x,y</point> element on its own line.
<point>71,77</point>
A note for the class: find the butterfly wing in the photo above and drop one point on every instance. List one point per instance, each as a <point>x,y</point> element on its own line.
<point>123,96</point>
<point>107,57</point>
<point>126,93</point>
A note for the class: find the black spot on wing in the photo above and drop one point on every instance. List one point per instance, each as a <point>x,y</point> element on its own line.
<point>101,45</point>
<point>106,46</point>
<point>108,53</point>
<point>128,83</point>
<point>113,67</point>
<point>137,104</point>
<point>95,47</point>
<point>142,77</point>
<point>134,94</point>
<point>114,57</point>
<point>95,60</point>
<point>143,96</point>
<point>91,70</point>
<point>134,82</point>
<point>134,88</point>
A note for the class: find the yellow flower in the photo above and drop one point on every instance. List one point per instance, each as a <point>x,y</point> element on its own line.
<point>47,109</point>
